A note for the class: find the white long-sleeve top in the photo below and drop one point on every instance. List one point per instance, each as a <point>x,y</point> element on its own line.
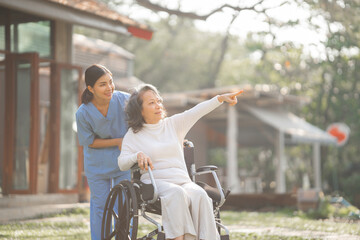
<point>163,143</point>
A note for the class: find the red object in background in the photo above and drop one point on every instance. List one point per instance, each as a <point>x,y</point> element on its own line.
<point>341,131</point>
<point>140,33</point>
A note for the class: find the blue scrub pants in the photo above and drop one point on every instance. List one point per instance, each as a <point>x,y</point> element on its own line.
<point>99,191</point>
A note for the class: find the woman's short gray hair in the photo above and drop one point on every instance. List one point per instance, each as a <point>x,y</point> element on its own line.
<point>133,108</point>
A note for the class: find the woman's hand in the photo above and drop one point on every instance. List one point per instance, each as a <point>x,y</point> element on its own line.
<point>230,97</point>
<point>144,161</point>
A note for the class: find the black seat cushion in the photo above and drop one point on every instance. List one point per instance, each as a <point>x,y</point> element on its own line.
<point>154,207</point>
<point>147,191</point>
<point>211,191</point>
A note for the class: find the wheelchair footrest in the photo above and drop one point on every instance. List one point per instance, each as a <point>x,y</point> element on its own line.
<point>224,237</point>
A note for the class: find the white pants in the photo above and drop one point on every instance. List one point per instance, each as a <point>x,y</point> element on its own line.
<point>186,210</point>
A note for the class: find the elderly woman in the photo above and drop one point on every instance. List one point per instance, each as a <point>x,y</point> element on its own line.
<point>157,141</point>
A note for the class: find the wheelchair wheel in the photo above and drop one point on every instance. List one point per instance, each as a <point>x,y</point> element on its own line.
<point>122,225</point>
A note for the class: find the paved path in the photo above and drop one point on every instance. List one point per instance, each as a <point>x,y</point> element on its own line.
<point>20,213</point>
<point>286,232</point>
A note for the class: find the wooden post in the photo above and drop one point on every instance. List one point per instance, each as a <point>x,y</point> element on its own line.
<point>232,166</point>
<point>317,166</point>
<point>280,164</point>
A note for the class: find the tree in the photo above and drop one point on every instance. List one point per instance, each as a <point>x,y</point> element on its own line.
<point>336,92</point>
<point>214,62</point>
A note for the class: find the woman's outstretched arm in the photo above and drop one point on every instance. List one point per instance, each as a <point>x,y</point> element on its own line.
<point>185,120</point>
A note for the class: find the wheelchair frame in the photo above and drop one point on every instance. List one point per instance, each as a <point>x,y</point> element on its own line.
<point>127,195</point>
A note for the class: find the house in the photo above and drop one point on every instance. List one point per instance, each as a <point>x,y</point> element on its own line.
<point>40,87</point>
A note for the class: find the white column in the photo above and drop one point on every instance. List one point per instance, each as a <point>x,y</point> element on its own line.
<point>317,166</point>
<point>280,163</point>
<point>232,166</point>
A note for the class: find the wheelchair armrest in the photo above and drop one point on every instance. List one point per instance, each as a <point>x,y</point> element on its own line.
<point>211,169</point>
<point>207,168</point>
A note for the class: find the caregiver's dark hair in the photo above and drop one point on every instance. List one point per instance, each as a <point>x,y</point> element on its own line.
<point>92,74</point>
<point>133,108</point>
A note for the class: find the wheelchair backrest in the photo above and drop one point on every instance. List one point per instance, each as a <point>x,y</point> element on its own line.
<point>189,156</point>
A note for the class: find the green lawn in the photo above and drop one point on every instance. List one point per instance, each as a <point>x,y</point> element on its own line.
<point>288,219</point>
<point>74,224</point>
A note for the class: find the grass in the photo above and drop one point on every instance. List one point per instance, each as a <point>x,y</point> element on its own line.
<point>74,224</point>
<point>290,220</point>
<point>70,224</point>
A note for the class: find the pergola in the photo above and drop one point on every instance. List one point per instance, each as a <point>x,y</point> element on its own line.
<point>261,118</point>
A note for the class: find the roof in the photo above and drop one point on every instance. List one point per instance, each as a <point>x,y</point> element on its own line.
<point>260,94</point>
<point>90,13</point>
<point>296,129</point>
<point>119,61</point>
<point>128,84</point>
<point>100,46</point>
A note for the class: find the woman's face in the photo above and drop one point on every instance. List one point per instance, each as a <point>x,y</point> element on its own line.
<point>103,88</point>
<point>152,107</point>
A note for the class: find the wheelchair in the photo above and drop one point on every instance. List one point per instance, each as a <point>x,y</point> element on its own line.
<point>132,197</point>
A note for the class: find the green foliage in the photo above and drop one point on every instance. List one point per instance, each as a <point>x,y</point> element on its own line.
<point>336,94</point>
<point>350,184</point>
<point>328,210</point>
<point>217,157</point>
<point>324,211</point>
<point>178,57</point>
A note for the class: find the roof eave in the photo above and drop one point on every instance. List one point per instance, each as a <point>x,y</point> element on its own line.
<point>53,11</point>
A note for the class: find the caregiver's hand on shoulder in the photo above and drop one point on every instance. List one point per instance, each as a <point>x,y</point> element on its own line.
<point>144,161</point>
<point>230,97</point>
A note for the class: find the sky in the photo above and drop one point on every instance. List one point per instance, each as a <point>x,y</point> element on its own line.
<point>248,21</point>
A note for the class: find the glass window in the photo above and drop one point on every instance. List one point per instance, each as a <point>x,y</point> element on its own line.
<point>2,121</point>
<point>2,38</point>
<point>44,127</point>
<point>68,139</point>
<point>31,37</point>
<point>3,16</point>
<point>21,168</point>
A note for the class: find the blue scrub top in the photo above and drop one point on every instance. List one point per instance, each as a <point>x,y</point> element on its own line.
<point>102,162</point>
